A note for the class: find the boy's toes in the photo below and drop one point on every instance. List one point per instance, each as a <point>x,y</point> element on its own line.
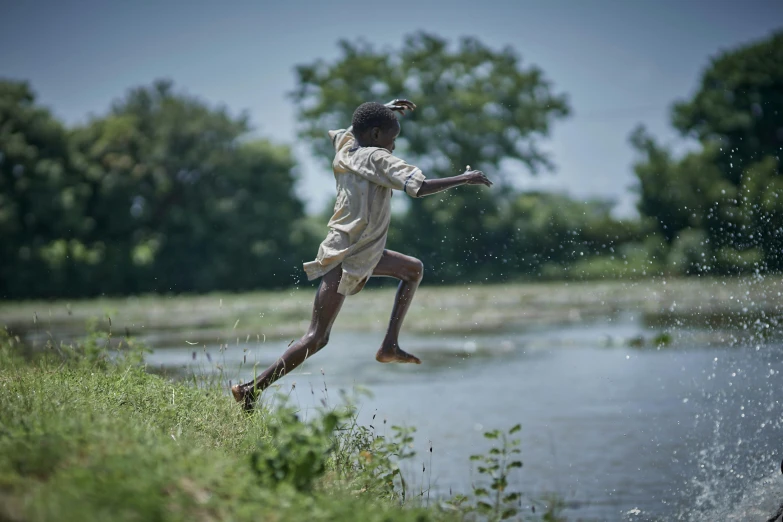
<point>396,356</point>
<point>412,359</point>
<point>246,397</point>
<point>236,391</point>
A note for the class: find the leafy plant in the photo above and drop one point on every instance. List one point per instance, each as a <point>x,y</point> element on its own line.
<point>373,460</point>
<point>298,452</point>
<point>495,466</point>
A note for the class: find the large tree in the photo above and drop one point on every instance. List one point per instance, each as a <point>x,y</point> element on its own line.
<point>182,201</point>
<point>732,188</point>
<point>476,106</point>
<point>164,193</point>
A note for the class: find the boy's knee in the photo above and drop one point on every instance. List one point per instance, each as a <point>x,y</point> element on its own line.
<point>416,271</point>
<point>317,340</point>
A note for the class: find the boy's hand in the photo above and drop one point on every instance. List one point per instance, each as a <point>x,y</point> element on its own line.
<point>476,177</point>
<point>401,106</point>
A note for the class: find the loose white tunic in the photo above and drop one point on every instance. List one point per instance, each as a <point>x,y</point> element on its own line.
<point>365,177</point>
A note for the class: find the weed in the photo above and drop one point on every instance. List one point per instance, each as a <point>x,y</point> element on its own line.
<point>495,467</point>
<point>298,452</point>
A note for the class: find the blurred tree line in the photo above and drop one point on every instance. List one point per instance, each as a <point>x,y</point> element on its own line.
<point>168,194</point>
<point>719,208</point>
<point>162,194</point>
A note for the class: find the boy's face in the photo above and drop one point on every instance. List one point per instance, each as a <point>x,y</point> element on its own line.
<point>385,138</point>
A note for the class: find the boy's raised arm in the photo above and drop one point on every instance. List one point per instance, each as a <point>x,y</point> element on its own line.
<point>341,137</point>
<point>470,177</point>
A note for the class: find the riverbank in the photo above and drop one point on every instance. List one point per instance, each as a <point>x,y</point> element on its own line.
<point>88,436</point>
<point>118,440</point>
<point>229,318</point>
<point>83,439</point>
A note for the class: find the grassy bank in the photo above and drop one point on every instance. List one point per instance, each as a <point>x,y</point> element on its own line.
<point>220,318</point>
<point>84,439</point>
<point>89,436</point>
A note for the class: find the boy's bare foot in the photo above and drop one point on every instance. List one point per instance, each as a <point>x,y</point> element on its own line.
<point>245,396</point>
<point>395,354</point>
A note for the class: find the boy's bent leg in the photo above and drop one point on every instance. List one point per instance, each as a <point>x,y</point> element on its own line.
<point>409,271</point>
<point>325,309</point>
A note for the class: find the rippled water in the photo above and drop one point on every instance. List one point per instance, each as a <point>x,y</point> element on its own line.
<point>692,431</point>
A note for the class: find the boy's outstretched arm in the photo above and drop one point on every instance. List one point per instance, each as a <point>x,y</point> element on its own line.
<point>471,177</point>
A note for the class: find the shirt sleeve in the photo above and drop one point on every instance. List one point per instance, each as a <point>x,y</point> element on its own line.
<point>341,138</point>
<point>390,171</point>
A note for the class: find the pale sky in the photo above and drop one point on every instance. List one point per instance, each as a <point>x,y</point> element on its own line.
<point>621,62</point>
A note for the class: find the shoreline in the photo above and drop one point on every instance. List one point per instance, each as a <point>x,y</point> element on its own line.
<point>165,320</point>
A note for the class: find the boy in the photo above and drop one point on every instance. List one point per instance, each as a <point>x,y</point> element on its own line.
<point>365,172</point>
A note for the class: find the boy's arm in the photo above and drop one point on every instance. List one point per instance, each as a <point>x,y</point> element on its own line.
<point>341,138</point>
<point>471,177</point>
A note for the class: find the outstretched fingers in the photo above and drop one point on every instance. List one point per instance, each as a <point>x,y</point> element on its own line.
<point>476,177</point>
<point>401,105</point>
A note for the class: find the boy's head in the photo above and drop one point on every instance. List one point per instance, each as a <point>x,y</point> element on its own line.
<point>375,125</point>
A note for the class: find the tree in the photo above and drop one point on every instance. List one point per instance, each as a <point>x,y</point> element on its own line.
<point>162,194</point>
<point>477,106</point>
<point>36,200</point>
<point>674,192</point>
<point>731,189</point>
<point>739,106</point>
<point>549,231</point>
<point>181,202</point>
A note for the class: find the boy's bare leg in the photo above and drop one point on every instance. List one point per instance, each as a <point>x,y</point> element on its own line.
<point>409,271</point>
<point>325,309</point>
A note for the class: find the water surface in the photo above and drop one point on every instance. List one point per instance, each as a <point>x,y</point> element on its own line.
<point>689,431</point>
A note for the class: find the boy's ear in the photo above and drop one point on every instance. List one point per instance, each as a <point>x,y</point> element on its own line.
<point>375,133</point>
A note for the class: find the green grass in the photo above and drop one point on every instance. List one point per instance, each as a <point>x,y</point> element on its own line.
<point>84,438</point>
<point>88,434</point>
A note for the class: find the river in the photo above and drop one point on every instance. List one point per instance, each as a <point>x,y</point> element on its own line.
<point>692,430</point>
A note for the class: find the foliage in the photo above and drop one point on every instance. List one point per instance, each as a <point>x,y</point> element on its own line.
<point>85,438</point>
<point>495,466</point>
<point>164,193</point>
<point>546,234</point>
<point>36,196</point>
<point>300,451</point>
<point>491,499</point>
<point>373,461</point>
<point>719,207</point>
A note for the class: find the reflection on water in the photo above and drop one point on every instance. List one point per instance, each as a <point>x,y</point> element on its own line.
<point>690,431</point>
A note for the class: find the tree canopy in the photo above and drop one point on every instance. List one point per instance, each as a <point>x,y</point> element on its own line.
<point>164,193</point>
<point>729,193</point>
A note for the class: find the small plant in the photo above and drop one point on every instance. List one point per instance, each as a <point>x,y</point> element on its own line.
<point>663,339</point>
<point>496,503</point>
<point>298,452</point>
<point>374,460</point>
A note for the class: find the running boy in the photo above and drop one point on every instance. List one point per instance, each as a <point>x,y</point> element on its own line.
<point>365,172</point>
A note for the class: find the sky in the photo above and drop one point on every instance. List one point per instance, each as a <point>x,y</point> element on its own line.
<point>622,63</point>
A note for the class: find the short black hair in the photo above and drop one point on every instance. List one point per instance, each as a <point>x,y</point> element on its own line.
<point>372,114</point>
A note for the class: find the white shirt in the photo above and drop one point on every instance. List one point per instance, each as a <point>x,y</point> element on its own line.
<point>365,178</point>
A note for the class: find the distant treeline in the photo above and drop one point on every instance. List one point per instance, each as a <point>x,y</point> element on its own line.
<point>165,193</point>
